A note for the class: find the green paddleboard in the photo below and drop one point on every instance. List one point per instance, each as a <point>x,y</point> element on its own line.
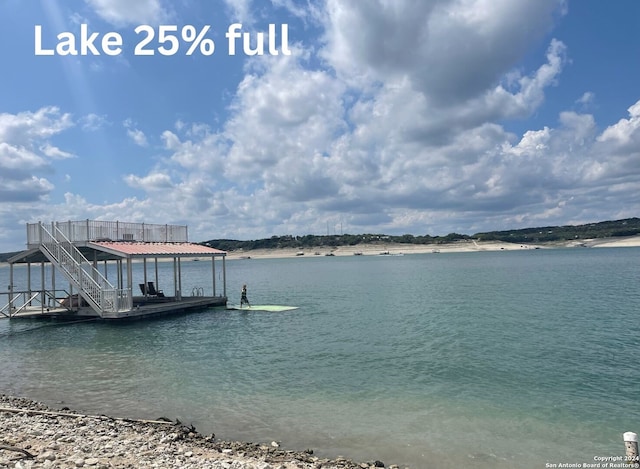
<point>270,308</point>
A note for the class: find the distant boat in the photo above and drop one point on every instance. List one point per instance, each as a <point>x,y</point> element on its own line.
<point>357,253</point>
<point>329,254</point>
<point>299,253</point>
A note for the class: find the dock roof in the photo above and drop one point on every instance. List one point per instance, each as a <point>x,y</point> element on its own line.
<point>112,250</point>
<point>142,249</point>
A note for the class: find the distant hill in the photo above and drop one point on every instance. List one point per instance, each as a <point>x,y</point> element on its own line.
<point>311,241</point>
<point>605,229</point>
<point>7,255</point>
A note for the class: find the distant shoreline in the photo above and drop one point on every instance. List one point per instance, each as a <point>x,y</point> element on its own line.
<point>401,248</point>
<point>376,249</point>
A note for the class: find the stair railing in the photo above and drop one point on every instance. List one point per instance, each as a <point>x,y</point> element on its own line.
<point>95,288</point>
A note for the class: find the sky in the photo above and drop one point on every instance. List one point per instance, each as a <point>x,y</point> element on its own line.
<point>376,116</point>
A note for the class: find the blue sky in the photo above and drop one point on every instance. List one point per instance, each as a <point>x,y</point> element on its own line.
<point>388,116</point>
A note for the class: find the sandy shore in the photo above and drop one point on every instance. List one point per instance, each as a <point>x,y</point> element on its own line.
<point>402,249</point>
<point>35,436</point>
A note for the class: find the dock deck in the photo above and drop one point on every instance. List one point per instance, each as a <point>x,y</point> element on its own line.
<point>143,308</point>
<point>149,309</point>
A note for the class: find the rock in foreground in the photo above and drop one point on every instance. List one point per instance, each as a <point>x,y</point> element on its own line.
<point>33,440</point>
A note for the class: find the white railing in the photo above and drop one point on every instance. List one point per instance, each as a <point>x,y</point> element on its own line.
<point>30,300</point>
<point>71,264</point>
<point>25,304</point>
<point>92,230</point>
<point>100,294</point>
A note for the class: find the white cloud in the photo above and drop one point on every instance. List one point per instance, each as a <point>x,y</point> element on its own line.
<point>18,158</point>
<point>30,189</point>
<point>297,9</point>
<point>626,131</point>
<point>170,140</point>
<point>240,11</point>
<point>25,151</point>
<point>586,99</point>
<point>286,114</point>
<point>124,12</point>
<point>25,126</point>
<point>151,182</point>
<point>203,151</point>
<point>93,122</point>
<point>137,136</point>
<point>451,51</point>
<point>55,152</point>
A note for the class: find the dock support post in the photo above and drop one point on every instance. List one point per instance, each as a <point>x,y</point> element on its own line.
<point>29,278</point>
<point>155,261</point>
<point>95,266</point>
<point>631,448</point>
<point>175,277</point>
<point>129,275</point>
<point>144,275</point>
<point>10,289</point>
<point>213,273</point>
<point>42,288</point>
<point>224,275</point>
<point>179,279</point>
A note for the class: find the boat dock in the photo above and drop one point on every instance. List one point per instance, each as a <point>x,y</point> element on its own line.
<point>76,251</point>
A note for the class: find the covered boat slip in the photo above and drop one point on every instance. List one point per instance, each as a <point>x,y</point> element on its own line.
<point>95,260</point>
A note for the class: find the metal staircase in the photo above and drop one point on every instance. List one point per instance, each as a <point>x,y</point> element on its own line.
<point>92,285</point>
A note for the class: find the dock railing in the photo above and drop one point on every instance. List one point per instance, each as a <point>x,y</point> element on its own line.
<point>43,300</point>
<point>94,230</point>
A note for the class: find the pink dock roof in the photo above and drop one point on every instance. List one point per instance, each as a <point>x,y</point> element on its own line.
<point>140,249</point>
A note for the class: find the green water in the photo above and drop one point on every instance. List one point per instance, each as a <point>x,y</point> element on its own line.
<point>476,360</point>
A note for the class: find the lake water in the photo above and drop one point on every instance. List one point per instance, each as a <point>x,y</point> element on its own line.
<point>477,360</point>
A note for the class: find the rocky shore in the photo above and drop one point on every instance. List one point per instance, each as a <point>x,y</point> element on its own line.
<point>33,436</point>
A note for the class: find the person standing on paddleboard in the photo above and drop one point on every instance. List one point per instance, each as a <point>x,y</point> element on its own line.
<point>243,297</point>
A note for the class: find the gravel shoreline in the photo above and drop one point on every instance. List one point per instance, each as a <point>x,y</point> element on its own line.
<point>34,436</point>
